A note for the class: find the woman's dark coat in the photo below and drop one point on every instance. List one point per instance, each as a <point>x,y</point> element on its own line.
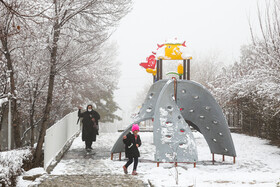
<point>88,131</point>
<point>130,146</point>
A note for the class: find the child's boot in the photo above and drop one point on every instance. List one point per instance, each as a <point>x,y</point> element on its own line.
<point>134,172</point>
<point>124,169</point>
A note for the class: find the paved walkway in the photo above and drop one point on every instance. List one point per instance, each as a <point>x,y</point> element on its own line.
<point>91,181</point>
<point>77,168</point>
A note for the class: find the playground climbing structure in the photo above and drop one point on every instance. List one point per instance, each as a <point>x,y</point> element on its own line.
<point>175,106</point>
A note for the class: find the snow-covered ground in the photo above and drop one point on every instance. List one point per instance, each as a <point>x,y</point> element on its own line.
<point>257,163</point>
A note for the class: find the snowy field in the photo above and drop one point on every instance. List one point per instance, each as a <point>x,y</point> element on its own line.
<point>257,164</point>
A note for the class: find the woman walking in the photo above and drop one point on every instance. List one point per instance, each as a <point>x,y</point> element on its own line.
<point>90,126</point>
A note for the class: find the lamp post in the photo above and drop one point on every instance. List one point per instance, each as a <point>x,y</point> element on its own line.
<point>8,98</point>
<point>9,121</point>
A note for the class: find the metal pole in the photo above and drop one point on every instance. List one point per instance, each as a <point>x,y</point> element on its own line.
<point>175,89</point>
<point>120,156</point>
<point>188,69</point>
<point>160,66</point>
<point>9,123</point>
<point>157,78</point>
<point>184,67</point>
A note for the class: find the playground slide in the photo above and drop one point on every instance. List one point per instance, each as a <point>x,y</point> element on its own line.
<point>196,106</point>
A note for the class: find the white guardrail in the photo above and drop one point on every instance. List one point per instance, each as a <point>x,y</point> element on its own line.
<point>58,135</point>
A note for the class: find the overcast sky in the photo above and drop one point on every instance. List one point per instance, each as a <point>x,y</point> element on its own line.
<point>205,25</point>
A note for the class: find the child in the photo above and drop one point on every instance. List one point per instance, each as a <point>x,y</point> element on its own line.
<point>132,142</point>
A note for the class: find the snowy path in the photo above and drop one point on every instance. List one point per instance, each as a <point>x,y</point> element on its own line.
<point>77,168</point>
<point>257,165</point>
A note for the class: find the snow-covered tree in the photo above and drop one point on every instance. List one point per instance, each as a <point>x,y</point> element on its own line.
<point>53,53</point>
<point>14,32</point>
<point>75,22</point>
<point>205,68</point>
<point>251,87</point>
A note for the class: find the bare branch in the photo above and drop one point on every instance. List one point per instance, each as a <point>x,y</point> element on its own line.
<point>13,11</point>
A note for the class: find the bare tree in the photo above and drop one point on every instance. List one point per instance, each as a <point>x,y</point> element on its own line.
<point>97,17</point>
<point>8,28</point>
<point>249,90</point>
<point>16,36</point>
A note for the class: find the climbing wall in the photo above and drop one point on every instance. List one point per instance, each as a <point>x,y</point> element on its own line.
<point>173,138</point>
<point>146,112</point>
<point>194,106</point>
<point>200,110</point>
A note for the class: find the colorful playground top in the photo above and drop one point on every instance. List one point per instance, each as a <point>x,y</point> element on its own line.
<point>170,50</point>
<point>173,50</point>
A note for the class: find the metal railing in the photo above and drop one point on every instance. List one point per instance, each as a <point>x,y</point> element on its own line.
<point>58,135</point>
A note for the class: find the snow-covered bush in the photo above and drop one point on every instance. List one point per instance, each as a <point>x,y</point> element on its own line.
<point>250,89</point>
<point>11,163</point>
<point>249,93</point>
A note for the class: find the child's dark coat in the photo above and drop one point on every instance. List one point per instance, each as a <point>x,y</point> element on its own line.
<point>130,146</point>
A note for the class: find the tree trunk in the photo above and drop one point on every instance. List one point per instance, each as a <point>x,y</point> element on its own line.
<point>32,133</point>
<point>33,96</point>
<point>32,122</point>
<point>45,119</point>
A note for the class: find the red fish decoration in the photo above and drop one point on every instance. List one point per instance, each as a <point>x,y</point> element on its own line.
<point>151,62</point>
